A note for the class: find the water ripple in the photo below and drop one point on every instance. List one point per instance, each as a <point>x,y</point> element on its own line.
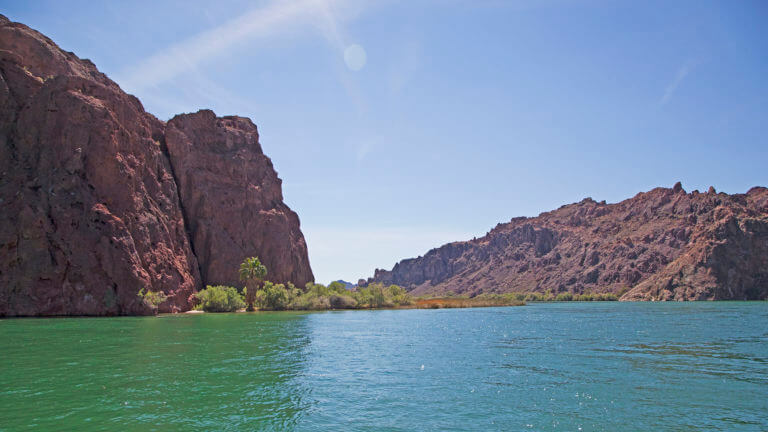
<point>576,366</point>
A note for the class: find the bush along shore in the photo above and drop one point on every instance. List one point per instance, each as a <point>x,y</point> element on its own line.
<point>316,297</point>
<point>264,295</point>
<point>280,297</point>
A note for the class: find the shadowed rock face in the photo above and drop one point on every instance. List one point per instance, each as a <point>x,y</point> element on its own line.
<point>233,200</point>
<point>664,244</point>
<point>90,211</point>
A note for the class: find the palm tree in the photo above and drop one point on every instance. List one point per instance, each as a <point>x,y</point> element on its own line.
<point>252,271</point>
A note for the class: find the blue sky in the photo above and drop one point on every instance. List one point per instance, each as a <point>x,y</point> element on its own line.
<point>447,117</point>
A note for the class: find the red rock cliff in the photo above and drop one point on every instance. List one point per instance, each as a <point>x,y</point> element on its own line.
<point>233,200</point>
<point>90,212</point>
<point>665,244</point>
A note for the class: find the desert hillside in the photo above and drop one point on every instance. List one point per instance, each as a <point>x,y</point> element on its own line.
<point>664,244</point>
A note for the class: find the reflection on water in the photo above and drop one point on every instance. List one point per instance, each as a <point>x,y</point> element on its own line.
<point>570,366</point>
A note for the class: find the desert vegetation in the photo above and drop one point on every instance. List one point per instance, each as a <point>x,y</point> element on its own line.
<point>261,294</point>
<point>219,299</point>
<point>466,302</point>
<point>152,298</point>
<point>252,271</point>
<point>314,296</point>
<point>264,295</point>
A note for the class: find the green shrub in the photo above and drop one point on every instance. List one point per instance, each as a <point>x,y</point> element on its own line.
<point>273,297</point>
<point>566,296</point>
<point>534,296</point>
<point>398,295</point>
<point>337,287</point>
<point>342,302</point>
<point>373,296</point>
<point>363,297</point>
<point>153,299</point>
<point>320,297</point>
<point>376,295</point>
<point>219,299</point>
<point>518,296</point>
<point>310,302</point>
<point>402,300</point>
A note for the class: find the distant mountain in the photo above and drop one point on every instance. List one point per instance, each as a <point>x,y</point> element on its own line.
<point>664,244</point>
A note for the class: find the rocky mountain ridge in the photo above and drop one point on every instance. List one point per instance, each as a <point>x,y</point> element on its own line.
<point>99,200</point>
<point>664,244</point>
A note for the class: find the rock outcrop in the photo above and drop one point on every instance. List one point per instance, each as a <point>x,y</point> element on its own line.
<point>90,209</point>
<point>233,199</point>
<point>664,244</point>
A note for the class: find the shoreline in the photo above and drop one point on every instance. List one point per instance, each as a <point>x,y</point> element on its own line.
<point>405,307</point>
<point>436,303</point>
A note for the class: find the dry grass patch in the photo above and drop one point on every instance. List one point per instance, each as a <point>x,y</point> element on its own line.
<point>439,303</point>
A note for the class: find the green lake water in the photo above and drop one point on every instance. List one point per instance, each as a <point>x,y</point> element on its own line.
<point>550,366</point>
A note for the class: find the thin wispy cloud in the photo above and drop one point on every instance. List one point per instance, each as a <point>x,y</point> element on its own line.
<point>363,150</point>
<point>672,87</point>
<point>402,72</point>
<point>276,17</point>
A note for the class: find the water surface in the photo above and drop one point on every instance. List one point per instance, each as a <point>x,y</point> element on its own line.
<point>550,366</point>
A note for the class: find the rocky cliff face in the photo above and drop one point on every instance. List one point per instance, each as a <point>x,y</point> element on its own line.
<point>90,209</point>
<point>233,200</point>
<point>664,244</point>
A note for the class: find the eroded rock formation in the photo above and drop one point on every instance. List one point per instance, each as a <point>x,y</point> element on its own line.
<point>90,212</point>
<point>664,244</point>
<point>233,199</point>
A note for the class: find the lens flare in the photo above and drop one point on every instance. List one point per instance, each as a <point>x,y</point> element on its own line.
<point>355,57</point>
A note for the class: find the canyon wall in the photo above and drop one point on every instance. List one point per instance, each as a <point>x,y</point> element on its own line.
<point>99,200</point>
<point>233,200</point>
<point>664,244</point>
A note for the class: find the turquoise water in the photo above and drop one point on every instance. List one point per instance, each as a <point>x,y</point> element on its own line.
<point>557,366</point>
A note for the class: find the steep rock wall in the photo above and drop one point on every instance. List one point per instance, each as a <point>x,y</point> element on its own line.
<point>233,200</point>
<point>664,244</point>
<point>90,212</point>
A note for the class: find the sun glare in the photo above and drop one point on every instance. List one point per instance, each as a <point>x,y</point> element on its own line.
<point>355,57</point>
